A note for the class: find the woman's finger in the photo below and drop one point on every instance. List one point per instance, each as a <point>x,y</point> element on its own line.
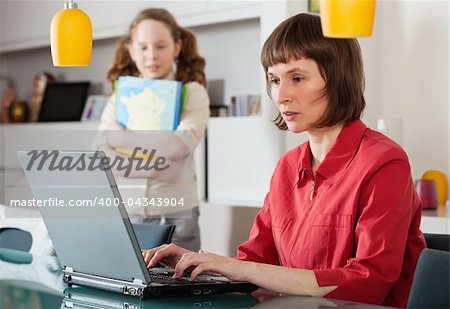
<point>149,253</point>
<point>189,262</point>
<point>201,268</point>
<point>169,251</point>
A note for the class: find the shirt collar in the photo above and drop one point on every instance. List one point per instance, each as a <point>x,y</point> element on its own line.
<point>339,156</point>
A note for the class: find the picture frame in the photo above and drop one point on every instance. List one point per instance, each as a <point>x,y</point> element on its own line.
<point>314,6</point>
<point>94,107</point>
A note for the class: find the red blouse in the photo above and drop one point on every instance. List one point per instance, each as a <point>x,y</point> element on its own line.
<point>356,225</point>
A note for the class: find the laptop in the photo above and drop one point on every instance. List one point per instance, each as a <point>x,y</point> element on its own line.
<point>88,225</point>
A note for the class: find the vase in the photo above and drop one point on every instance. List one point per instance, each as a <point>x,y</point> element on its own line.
<point>426,189</point>
<point>441,184</point>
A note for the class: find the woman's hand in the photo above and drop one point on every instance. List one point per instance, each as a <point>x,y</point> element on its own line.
<point>184,260</point>
<point>168,255</point>
<point>231,268</point>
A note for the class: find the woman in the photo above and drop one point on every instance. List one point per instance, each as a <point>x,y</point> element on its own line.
<point>342,217</point>
<point>157,47</point>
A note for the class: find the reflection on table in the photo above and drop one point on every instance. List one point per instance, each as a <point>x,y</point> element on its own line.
<point>40,285</point>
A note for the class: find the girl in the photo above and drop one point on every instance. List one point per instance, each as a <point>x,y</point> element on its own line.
<point>342,217</point>
<point>156,47</point>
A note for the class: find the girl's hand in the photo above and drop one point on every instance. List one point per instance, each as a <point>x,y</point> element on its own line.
<point>168,255</point>
<point>231,268</point>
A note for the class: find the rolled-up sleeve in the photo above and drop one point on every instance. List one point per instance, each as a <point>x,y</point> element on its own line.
<point>387,207</point>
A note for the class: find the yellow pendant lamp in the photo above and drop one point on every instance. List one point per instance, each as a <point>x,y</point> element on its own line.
<point>347,18</point>
<point>71,37</point>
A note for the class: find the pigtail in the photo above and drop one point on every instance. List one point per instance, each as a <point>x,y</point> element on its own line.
<point>122,63</point>
<point>190,65</point>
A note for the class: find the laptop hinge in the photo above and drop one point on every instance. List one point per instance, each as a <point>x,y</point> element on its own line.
<point>134,288</point>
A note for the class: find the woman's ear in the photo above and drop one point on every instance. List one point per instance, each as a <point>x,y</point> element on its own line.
<point>178,46</point>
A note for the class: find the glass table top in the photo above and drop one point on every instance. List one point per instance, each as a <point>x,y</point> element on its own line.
<point>39,285</point>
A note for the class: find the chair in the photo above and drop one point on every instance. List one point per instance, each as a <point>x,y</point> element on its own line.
<point>438,241</point>
<point>430,287</point>
<point>153,235</point>
<point>15,245</point>
<point>15,239</point>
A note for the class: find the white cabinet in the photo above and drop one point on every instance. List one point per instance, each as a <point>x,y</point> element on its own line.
<point>26,24</point>
<point>242,154</point>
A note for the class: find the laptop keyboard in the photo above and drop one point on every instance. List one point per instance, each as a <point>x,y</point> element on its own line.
<point>164,275</point>
<point>166,279</point>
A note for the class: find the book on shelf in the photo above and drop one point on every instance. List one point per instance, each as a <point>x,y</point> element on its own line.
<point>149,104</point>
<point>245,105</point>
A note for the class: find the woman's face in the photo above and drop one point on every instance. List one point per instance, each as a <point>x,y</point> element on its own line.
<point>297,90</point>
<point>153,49</point>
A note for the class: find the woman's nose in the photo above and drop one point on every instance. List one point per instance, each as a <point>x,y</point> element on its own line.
<point>283,94</point>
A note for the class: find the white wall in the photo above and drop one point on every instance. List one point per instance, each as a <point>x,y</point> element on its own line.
<point>231,49</point>
<point>414,78</point>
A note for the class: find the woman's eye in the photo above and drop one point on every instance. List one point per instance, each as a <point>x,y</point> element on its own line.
<point>274,81</point>
<point>161,46</point>
<point>297,79</point>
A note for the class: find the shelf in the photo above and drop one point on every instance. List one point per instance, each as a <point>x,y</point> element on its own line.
<point>33,18</point>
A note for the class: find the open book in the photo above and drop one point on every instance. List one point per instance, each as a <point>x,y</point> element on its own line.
<point>148,104</point>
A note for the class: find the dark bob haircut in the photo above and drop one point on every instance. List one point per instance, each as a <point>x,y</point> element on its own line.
<point>339,62</point>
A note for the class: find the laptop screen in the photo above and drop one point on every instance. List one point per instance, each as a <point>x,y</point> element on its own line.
<point>90,236</point>
<point>63,101</point>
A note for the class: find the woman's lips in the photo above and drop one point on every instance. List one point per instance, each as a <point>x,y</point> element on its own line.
<point>289,116</point>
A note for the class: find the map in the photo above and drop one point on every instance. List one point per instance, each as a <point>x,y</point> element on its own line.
<point>148,104</point>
